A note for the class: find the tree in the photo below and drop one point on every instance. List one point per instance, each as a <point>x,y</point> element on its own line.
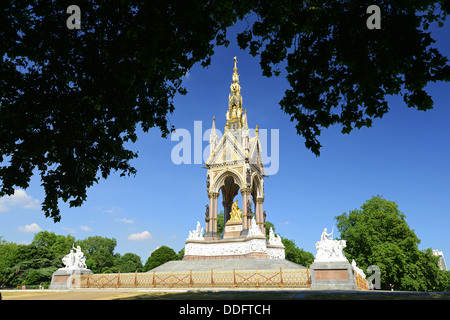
<point>8,254</point>
<point>58,245</point>
<point>29,264</point>
<point>292,252</point>
<point>71,99</point>
<point>8,258</point>
<point>378,234</point>
<point>425,274</point>
<point>447,274</point>
<point>129,262</point>
<point>36,262</point>
<point>340,72</point>
<point>180,254</point>
<point>295,254</point>
<point>160,256</point>
<point>220,222</point>
<point>95,85</point>
<point>99,252</point>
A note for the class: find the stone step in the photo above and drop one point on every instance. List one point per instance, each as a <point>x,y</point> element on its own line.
<point>226,265</point>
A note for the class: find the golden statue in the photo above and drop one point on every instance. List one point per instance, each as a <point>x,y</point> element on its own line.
<point>236,213</point>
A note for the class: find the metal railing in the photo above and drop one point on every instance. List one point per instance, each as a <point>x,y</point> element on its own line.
<point>361,282</point>
<point>299,278</point>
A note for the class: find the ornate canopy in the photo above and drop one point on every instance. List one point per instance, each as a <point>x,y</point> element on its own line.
<point>235,164</point>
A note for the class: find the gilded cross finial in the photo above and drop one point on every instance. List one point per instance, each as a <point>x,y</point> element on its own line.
<point>235,85</point>
<point>235,111</point>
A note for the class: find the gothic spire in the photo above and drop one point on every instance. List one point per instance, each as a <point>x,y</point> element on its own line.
<point>235,110</point>
<point>213,138</point>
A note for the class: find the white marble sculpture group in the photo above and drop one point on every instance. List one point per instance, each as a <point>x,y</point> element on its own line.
<point>74,260</point>
<point>255,242</point>
<point>329,249</point>
<point>196,234</point>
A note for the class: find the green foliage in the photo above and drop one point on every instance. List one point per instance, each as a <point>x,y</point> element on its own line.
<point>424,274</point>
<point>35,263</point>
<point>9,254</point>
<point>83,93</point>
<point>447,274</point>
<point>99,252</point>
<point>180,254</point>
<point>268,226</point>
<point>29,264</point>
<point>129,262</point>
<point>58,245</point>
<point>295,254</point>
<point>339,71</point>
<point>72,99</point>
<point>378,234</point>
<point>292,252</point>
<point>220,222</point>
<point>160,256</point>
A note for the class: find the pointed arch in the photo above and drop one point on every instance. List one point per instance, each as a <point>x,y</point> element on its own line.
<point>257,186</point>
<point>220,180</point>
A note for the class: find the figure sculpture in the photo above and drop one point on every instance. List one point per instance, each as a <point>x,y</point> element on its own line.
<point>274,239</point>
<point>249,207</point>
<point>326,236</point>
<point>74,260</point>
<point>329,249</point>
<point>254,230</point>
<point>207,212</point>
<point>196,234</point>
<point>236,213</point>
<point>249,177</point>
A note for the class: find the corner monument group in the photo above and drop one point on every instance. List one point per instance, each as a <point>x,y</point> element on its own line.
<point>234,167</point>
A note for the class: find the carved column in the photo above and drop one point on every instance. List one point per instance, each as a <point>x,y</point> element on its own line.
<point>208,233</point>
<point>259,215</point>
<point>207,219</point>
<point>246,216</point>
<point>211,221</point>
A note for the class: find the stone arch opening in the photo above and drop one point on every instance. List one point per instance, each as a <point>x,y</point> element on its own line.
<point>220,181</point>
<point>227,186</point>
<point>258,199</point>
<point>229,191</point>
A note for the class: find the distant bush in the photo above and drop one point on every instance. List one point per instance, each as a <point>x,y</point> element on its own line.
<point>160,256</point>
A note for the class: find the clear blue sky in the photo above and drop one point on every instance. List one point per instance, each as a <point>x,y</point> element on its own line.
<point>405,157</point>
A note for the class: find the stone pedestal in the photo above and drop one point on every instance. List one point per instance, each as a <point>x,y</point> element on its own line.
<point>332,275</point>
<point>62,278</point>
<point>249,247</point>
<point>276,251</point>
<point>233,245</point>
<point>331,269</point>
<point>232,230</point>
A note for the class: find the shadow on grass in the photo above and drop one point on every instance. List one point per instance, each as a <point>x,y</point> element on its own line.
<point>290,295</point>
